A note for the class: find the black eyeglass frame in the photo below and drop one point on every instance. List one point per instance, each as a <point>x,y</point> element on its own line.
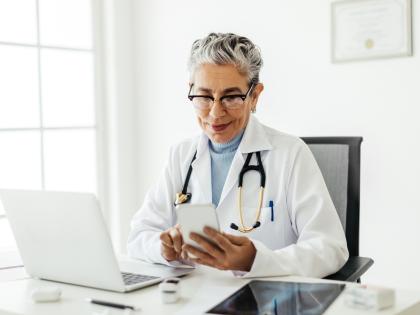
<point>242,96</point>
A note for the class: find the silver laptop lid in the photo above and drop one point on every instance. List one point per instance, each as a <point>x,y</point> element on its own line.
<point>62,237</point>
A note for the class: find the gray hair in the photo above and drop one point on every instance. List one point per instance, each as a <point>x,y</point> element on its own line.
<point>227,48</point>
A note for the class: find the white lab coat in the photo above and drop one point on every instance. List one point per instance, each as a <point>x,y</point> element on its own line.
<point>305,238</point>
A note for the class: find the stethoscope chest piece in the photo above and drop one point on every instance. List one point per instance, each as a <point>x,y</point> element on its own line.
<point>182,198</point>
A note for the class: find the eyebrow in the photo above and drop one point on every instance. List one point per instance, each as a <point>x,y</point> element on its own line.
<point>228,90</point>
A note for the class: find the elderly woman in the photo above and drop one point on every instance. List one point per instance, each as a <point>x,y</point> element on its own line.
<point>298,231</point>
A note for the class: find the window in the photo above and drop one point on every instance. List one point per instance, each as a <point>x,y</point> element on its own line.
<point>47,109</point>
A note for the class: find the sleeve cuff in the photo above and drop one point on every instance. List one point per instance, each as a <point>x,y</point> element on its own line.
<point>158,258</point>
<point>180,264</point>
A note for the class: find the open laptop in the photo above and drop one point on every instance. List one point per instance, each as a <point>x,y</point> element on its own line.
<point>62,237</point>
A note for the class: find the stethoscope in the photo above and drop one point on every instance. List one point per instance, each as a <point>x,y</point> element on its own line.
<point>185,196</point>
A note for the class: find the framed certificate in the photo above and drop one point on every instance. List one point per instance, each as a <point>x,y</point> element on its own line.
<point>367,29</point>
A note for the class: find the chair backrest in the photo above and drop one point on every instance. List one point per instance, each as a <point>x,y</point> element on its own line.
<point>339,161</point>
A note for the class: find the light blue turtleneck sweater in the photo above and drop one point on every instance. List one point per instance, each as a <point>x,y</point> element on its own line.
<point>221,158</point>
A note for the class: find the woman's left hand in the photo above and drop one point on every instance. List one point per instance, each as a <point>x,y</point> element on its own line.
<point>228,252</point>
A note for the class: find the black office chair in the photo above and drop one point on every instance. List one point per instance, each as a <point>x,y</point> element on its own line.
<point>339,161</point>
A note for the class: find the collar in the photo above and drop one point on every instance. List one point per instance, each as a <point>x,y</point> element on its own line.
<point>255,137</point>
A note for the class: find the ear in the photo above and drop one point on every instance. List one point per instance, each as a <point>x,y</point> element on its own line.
<point>256,94</point>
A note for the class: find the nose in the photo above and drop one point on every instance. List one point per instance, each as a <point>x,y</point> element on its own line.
<point>217,110</point>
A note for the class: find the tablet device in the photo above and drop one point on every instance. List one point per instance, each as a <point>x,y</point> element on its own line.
<point>193,218</point>
<point>282,298</point>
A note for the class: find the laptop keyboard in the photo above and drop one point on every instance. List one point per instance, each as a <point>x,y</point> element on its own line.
<point>132,278</point>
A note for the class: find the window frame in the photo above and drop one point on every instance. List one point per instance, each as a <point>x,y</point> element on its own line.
<point>98,125</point>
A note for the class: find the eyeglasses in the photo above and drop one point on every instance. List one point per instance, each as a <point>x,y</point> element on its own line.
<point>231,101</point>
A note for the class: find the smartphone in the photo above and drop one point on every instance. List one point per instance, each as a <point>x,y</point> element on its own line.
<point>193,218</point>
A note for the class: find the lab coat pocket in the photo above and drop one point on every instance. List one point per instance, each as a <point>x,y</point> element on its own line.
<point>266,232</point>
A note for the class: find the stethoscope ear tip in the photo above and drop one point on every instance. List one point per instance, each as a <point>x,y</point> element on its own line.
<point>257,224</point>
<point>233,226</point>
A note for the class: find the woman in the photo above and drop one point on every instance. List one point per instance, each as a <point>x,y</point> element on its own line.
<point>298,231</point>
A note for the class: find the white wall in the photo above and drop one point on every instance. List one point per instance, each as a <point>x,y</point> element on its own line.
<point>116,115</point>
<point>305,95</point>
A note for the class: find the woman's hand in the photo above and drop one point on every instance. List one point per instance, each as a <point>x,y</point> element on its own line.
<point>171,244</point>
<point>228,253</point>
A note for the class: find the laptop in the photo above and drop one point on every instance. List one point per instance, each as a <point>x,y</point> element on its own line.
<point>62,237</point>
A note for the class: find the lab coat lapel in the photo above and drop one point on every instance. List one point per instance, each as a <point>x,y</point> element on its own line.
<point>202,170</point>
<point>254,140</point>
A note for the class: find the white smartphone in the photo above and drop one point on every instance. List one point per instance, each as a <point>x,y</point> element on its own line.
<point>193,218</point>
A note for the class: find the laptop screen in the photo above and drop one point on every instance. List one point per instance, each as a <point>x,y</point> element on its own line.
<point>285,298</point>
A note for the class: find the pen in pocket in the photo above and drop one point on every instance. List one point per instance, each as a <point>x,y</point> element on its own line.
<point>271,205</point>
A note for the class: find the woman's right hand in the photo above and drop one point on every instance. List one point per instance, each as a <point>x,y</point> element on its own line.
<point>171,244</point>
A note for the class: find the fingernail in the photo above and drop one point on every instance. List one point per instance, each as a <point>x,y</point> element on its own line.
<point>207,229</point>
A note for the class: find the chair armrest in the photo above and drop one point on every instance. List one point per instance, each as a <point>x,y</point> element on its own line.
<point>354,268</point>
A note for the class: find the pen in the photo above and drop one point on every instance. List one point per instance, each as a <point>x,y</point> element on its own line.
<point>111,304</point>
<point>271,205</point>
<point>275,306</point>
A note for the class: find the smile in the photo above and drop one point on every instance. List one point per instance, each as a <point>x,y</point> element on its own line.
<point>218,128</point>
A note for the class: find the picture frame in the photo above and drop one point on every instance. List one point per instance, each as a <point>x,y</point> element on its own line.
<point>370,29</point>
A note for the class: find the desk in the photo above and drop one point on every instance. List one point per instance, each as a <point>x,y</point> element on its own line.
<point>200,290</point>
